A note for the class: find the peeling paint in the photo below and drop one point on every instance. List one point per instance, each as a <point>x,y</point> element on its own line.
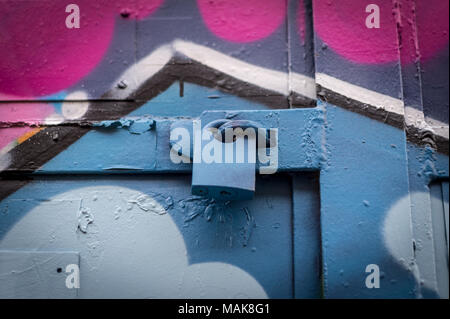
<point>247,229</point>
<point>85,218</point>
<point>154,203</point>
<point>133,125</point>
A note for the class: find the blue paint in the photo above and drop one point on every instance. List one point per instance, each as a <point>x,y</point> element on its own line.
<point>196,99</point>
<point>103,149</point>
<point>363,177</point>
<point>425,166</point>
<point>363,173</point>
<point>247,234</point>
<point>306,237</point>
<point>134,126</point>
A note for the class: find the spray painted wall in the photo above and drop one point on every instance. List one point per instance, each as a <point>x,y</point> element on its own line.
<point>75,191</point>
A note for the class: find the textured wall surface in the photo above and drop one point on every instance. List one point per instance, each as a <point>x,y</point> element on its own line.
<point>85,173</point>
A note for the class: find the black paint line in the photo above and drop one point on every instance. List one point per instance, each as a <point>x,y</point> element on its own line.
<point>178,68</point>
<point>36,151</point>
<point>365,109</point>
<point>43,146</point>
<point>413,134</point>
<point>427,138</point>
<point>49,142</point>
<point>181,87</point>
<point>10,185</point>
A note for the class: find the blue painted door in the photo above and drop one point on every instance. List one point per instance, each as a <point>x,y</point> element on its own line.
<point>148,237</point>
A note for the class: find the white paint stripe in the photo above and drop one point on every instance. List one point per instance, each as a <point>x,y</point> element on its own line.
<point>143,70</point>
<point>303,85</point>
<point>438,127</point>
<point>8,147</point>
<point>413,117</point>
<point>54,119</point>
<point>265,78</point>
<point>268,79</point>
<point>360,94</point>
<point>262,77</point>
<point>5,157</point>
<point>5,161</point>
<point>416,118</point>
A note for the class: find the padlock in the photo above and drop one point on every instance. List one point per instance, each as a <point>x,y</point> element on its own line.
<point>224,159</point>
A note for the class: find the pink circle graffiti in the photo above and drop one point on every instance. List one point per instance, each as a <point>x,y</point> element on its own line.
<point>242,21</point>
<point>41,56</point>
<point>341,25</point>
<point>26,112</point>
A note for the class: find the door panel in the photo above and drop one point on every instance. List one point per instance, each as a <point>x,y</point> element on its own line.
<point>31,274</point>
<point>148,237</point>
<point>439,218</point>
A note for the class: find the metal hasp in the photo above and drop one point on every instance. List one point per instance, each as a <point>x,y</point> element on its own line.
<point>228,149</point>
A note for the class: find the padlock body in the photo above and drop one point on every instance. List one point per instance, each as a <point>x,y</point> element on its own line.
<point>224,171</point>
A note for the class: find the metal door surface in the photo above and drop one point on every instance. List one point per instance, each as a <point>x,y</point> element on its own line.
<point>93,204</point>
<point>148,237</point>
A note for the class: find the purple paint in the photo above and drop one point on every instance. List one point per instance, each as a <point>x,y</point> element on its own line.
<point>242,21</point>
<point>301,20</point>
<point>341,25</point>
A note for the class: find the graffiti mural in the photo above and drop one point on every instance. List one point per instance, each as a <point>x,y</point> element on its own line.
<point>359,95</point>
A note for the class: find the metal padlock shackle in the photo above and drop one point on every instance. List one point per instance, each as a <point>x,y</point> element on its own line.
<point>223,124</point>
